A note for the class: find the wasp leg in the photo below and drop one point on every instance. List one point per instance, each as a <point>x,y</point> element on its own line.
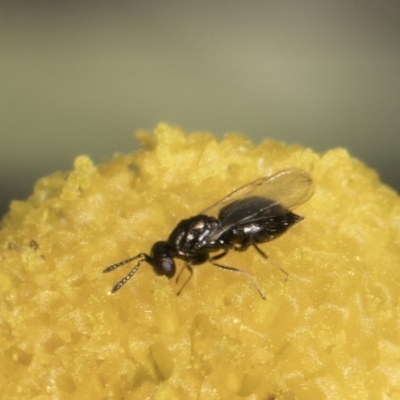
<point>266,257</point>
<point>260,251</point>
<point>243,246</point>
<point>180,273</point>
<point>190,268</point>
<point>233,269</point>
<point>218,256</point>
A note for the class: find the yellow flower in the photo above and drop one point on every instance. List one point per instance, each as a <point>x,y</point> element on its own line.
<point>328,330</point>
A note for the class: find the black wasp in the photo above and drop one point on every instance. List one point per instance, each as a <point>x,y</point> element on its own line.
<point>255,213</point>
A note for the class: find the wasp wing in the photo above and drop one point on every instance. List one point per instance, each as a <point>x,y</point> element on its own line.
<point>262,198</point>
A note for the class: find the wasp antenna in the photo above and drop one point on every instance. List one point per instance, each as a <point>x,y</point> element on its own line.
<point>127,277</point>
<point>123,262</point>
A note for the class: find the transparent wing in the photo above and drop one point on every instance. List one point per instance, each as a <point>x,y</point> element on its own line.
<point>262,198</point>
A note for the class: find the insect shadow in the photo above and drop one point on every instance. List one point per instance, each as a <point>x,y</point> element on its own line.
<point>255,213</point>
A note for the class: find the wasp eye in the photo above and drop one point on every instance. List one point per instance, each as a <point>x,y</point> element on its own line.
<point>167,266</point>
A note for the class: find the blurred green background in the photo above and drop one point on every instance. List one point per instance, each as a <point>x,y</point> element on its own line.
<point>81,77</point>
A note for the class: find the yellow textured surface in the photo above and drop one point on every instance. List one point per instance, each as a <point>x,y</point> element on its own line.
<point>330,331</point>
